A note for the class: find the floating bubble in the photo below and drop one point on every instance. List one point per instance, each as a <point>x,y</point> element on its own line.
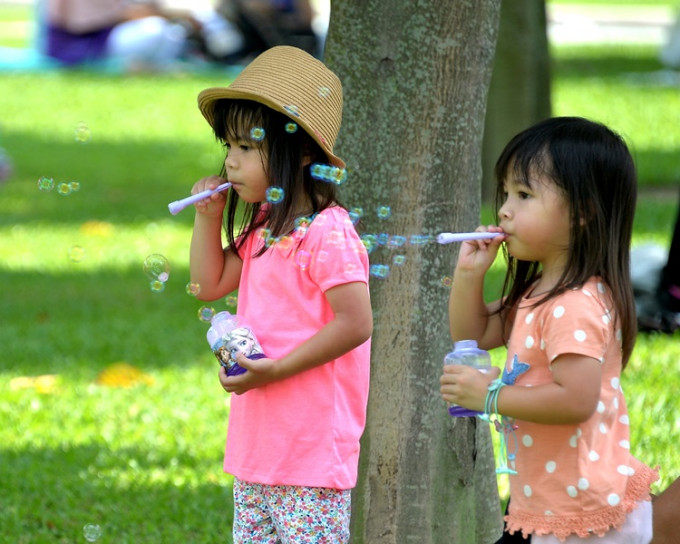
<point>399,260</point>
<point>370,242</point>
<point>45,184</point>
<point>76,254</point>
<point>231,300</point>
<point>383,238</point>
<point>420,239</point>
<point>384,212</point>
<point>157,267</point>
<point>324,92</point>
<point>328,173</point>
<point>291,127</point>
<point>380,271</point>
<point>92,532</point>
<point>5,165</point>
<point>322,256</point>
<point>64,189</point>
<point>447,281</point>
<point>302,259</point>
<point>193,288</point>
<point>206,313</point>
<point>82,133</point>
<point>157,286</point>
<point>275,194</point>
<point>396,241</point>
<point>257,134</point>
<point>292,110</point>
<point>75,186</point>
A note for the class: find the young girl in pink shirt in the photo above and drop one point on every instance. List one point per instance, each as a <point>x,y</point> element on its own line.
<point>301,271</point>
<point>566,196</point>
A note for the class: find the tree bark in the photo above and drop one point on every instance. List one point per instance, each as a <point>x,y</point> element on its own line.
<point>520,85</point>
<point>415,77</point>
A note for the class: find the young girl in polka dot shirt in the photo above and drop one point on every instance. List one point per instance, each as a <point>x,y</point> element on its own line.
<point>566,197</point>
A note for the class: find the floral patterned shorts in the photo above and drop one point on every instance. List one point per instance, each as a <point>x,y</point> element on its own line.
<point>289,514</point>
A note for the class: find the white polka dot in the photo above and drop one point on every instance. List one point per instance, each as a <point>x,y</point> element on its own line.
<point>572,491</point>
<point>587,293</point>
<point>580,335</point>
<point>579,432</point>
<point>615,403</point>
<point>542,344</point>
<point>600,407</point>
<point>527,440</point>
<point>625,444</point>
<point>593,455</point>
<point>625,470</point>
<point>529,318</point>
<point>550,466</point>
<point>601,287</point>
<point>603,428</point>
<point>548,513</point>
<point>573,441</point>
<point>583,484</point>
<point>605,319</point>
<point>615,382</point>
<point>527,491</point>
<point>618,334</point>
<point>529,342</point>
<point>558,311</point>
<point>613,499</point>
<point>624,419</point>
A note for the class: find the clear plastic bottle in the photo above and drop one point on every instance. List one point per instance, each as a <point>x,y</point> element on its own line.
<point>466,352</point>
<point>229,334</point>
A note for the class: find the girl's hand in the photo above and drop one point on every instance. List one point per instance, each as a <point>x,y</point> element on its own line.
<point>478,255</point>
<point>466,386</point>
<point>214,204</point>
<point>260,372</point>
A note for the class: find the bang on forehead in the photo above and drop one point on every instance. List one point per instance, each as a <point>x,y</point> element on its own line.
<point>237,121</point>
<point>525,167</point>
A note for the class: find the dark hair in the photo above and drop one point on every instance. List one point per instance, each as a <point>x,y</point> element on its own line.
<point>593,168</point>
<point>283,152</point>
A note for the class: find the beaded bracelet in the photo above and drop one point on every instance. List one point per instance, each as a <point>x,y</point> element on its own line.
<point>504,425</point>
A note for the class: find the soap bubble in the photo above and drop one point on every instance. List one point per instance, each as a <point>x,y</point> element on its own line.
<point>274,194</point>
<point>292,110</point>
<point>64,189</point>
<point>157,267</point>
<point>399,260</point>
<point>206,313</point>
<point>92,532</point>
<point>45,184</point>
<point>302,259</point>
<point>76,253</point>
<point>447,281</point>
<point>193,288</point>
<point>75,186</point>
<point>82,133</point>
<point>291,127</point>
<point>324,92</point>
<point>5,165</point>
<point>257,134</point>
<point>157,286</point>
<point>380,271</point>
<point>230,301</point>
<point>384,212</point>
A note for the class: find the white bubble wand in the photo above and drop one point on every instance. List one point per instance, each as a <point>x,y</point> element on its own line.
<point>178,205</point>
<point>449,237</point>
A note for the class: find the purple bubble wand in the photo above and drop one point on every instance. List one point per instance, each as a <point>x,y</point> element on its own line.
<point>178,205</point>
<point>449,237</point>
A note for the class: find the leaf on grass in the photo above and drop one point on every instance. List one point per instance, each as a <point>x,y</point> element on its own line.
<point>45,384</point>
<point>122,375</point>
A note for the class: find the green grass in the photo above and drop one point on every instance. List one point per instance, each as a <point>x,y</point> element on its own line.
<point>144,462</point>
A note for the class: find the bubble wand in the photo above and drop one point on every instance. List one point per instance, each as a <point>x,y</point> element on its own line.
<point>178,205</point>
<point>449,237</point>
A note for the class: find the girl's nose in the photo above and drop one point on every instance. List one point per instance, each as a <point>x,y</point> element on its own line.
<point>504,211</point>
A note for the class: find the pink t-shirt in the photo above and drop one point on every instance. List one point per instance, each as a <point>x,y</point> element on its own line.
<point>577,478</point>
<point>303,430</point>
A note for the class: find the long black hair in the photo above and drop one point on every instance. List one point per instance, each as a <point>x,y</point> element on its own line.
<point>594,170</point>
<point>285,148</point>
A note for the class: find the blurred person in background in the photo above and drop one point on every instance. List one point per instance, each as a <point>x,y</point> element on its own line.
<point>137,35</point>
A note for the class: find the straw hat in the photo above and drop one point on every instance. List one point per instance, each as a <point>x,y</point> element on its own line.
<point>294,83</point>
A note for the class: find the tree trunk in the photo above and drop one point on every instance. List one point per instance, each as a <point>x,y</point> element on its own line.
<point>520,85</point>
<point>415,77</point>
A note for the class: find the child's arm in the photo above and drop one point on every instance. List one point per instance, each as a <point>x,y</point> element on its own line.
<point>216,270</point>
<point>469,317</point>
<point>351,327</point>
<point>570,398</point>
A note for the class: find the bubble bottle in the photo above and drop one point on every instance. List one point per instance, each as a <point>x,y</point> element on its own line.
<point>466,352</point>
<point>229,334</point>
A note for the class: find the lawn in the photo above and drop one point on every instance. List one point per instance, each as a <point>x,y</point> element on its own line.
<point>111,411</point>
